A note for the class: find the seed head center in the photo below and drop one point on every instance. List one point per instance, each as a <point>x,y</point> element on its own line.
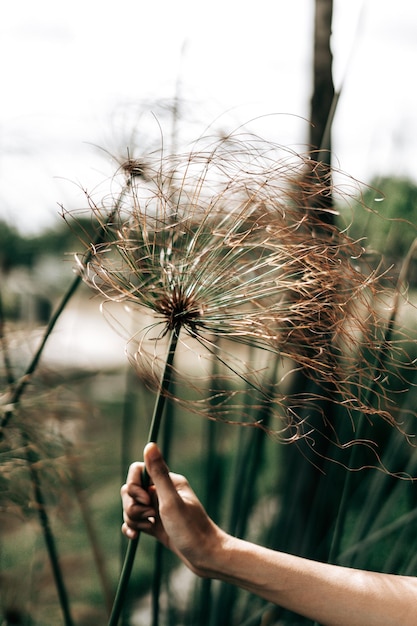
<point>179,308</point>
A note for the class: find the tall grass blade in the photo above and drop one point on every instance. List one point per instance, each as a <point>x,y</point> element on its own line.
<point>32,459</point>
<point>153,437</point>
<point>376,367</point>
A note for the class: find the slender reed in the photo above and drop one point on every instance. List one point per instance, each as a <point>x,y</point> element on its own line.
<point>48,535</point>
<point>371,395</point>
<point>98,555</point>
<point>246,476</point>
<point>159,552</point>
<point>32,459</point>
<point>153,436</point>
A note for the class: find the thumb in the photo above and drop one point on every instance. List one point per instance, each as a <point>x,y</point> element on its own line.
<point>158,471</point>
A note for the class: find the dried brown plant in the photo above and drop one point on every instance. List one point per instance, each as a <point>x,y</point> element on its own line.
<point>224,245</point>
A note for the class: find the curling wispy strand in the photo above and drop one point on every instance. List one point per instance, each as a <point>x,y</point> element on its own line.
<point>225,243</point>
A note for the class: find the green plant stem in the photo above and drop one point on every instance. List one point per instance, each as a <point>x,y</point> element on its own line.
<point>152,437</point>
<point>83,502</point>
<point>48,534</point>
<point>43,517</point>
<point>158,576</point>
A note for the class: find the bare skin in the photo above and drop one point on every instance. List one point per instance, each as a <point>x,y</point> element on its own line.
<point>332,595</point>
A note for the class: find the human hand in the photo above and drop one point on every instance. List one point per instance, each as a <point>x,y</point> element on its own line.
<point>170,511</point>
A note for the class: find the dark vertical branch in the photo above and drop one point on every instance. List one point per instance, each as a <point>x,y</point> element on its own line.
<point>49,538</point>
<point>323,87</point>
<point>322,106</point>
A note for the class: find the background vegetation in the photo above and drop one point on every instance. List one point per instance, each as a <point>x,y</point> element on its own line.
<point>80,428</point>
<point>69,432</point>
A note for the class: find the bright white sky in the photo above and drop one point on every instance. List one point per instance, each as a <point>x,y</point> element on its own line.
<point>72,73</point>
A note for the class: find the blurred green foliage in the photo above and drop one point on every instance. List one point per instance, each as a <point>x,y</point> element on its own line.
<point>20,250</point>
<point>388,219</point>
<point>226,465</point>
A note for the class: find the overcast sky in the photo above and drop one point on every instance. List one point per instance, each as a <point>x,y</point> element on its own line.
<point>72,74</point>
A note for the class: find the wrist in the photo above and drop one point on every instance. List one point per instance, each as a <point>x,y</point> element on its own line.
<point>242,563</point>
<point>212,555</point>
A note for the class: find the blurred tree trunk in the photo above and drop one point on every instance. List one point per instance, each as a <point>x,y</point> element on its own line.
<point>322,107</point>
<point>323,87</point>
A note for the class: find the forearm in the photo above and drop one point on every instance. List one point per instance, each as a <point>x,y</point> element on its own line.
<point>328,594</point>
<point>331,595</point>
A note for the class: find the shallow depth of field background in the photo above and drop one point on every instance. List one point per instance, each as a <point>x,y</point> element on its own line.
<point>81,84</point>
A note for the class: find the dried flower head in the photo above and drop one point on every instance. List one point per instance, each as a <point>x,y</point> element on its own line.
<point>224,243</point>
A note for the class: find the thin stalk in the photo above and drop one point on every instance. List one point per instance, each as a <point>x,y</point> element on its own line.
<point>44,521</point>
<point>125,455</point>
<point>159,548</point>
<point>48,535</point>
<point>83,502</point>
<point>213,492</point>
<point>152,437</point>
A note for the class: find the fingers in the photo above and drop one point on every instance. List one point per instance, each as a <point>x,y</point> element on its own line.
<point>166,484</point>
<point>135,476</point>
<point>169,510</point>
<point>184,525</point>
<point>138,509</point>
<point>133,490</point>
<point>142,509</point>
<point>158,469</point>
<point>131,528</point>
